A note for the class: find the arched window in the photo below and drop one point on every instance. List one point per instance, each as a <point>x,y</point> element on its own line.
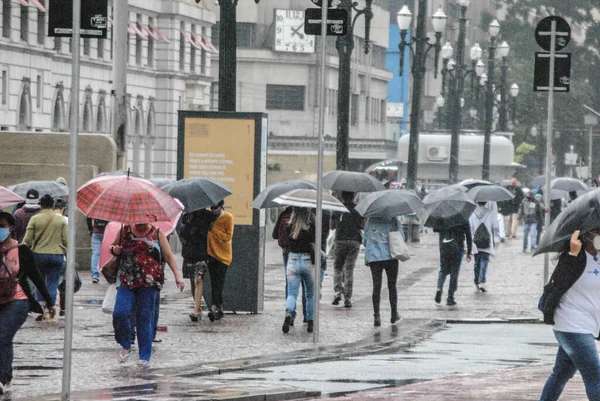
<point>86,126</point>
<point>24,111</point>
<point>101,115</point>
<point>58,112</point>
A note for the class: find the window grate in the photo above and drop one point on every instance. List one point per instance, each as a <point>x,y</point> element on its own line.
<point>285,97</point>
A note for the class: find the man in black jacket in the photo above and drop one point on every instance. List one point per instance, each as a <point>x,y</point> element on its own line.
<point>348,237</point>
<point>510,208</point>
<point>452,249</point>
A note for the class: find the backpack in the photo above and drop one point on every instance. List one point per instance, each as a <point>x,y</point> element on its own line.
<point>530,211</point>
<point>8,280</point>
<point>449,250</point>
<point>482,238</point>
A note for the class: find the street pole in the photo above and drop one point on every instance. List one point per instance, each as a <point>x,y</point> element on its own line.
<point>227,56</point>
<point>590,153</point>
<point>503,117</point>
<point>71,235</point>
<point>489,111</point>
<point>418,72</point>
<point>456,92</point>
<point>320,134</point>
<point>119,77</point>
<point>345,46</point>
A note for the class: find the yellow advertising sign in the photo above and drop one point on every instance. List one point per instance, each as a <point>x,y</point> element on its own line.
<point>223,149</point>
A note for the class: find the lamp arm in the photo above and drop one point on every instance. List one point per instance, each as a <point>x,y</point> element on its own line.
<point>438,47</point>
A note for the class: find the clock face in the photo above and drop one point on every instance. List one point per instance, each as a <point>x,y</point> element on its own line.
<point>289,33</point>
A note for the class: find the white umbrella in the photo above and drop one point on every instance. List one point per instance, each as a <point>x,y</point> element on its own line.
<point>308,198</point>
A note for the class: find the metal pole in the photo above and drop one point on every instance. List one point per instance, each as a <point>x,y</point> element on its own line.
<point>489,111</point>
<point>549,124</point>
<point>344,46</point>
<point>119,76</point>
<point>227,56</point>
<point>590,175</point>
<point>320,134</point>
<point>70,272</point>
<point>418,72</point>
<point>503,117</point>
<point>455,108</point>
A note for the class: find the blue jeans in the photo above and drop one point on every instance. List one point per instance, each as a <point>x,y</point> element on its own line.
<point>529,230</point>
<point>299,270</point>
<point>480,266</point>
<point>96,245</point>
<point>576,351</point>
<point>453,271</point>
<point>323,269</point>
<point>12,316</point>
<point>51,266</point>
<point>144,300</point>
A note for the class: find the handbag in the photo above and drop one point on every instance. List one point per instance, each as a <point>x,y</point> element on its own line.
<point>76,282</point>
<point>398,248</point>
<point>110,269</point>
<point>108,304</point>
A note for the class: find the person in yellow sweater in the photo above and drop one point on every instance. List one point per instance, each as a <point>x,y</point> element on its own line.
<point>219,257</point>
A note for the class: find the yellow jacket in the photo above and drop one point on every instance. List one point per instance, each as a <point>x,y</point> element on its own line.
<point>219,239</point>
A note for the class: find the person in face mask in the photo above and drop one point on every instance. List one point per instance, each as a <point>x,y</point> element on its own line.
<point>571,303</point>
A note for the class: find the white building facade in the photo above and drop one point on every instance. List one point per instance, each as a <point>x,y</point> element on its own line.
<point>169,69</point>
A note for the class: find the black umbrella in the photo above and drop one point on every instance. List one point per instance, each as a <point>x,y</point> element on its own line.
<point>389,203</point>
<point>568,184</point>
<point>351,181</point>
<point>264,200</point>
<point>470,183</point>
<point>490,193</point>
<point>162,182</point>
<point>54,188</point>
<point>447,208</point>
<point>197,193</point>
<point>539,181</point>
<point>582,214</point>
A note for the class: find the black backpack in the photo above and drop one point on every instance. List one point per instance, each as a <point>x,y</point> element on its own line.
<point>450,248</point>
<point>482,238</point>
<point>8,280</point>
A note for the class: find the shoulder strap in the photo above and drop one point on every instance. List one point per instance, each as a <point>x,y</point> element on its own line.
<point>35,242</point>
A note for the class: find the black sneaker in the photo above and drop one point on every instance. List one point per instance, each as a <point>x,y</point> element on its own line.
<point>337,299</point>
<point>309,328</point>
<point>450,302</point>
<point>61,313</point>
<point>347,303</point>
<point>220,314</point>
<point>211,316</point>
<point>286,323</point>
<point>438,297</point>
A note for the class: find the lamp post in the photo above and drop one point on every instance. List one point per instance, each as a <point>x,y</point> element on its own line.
<point>421,48</point>
<point>503,51</point>
<point>345,46</point>
<point>537,135</point>
<point>493,31</point>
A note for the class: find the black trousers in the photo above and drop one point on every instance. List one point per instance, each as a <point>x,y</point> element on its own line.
<point>217,271</point>
<point>391,271</point>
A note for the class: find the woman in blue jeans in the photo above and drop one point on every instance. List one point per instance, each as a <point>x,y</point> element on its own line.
<point>16,297</point>
<point>571,303</point>
<point>301,237</point>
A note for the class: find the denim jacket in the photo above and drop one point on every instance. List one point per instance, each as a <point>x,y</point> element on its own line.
<point>376,237</point>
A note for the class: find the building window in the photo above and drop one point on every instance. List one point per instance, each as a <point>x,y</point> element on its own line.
<point>4,93</point>
<point>57,44</point>
<point>41,27</point>
<point>214,37</point>
<point>354,110</point>
<point>138,41</point>
<point>100,48</point>
<point>24,23</point>
<point>86,126</point>
<point>193,51</point>
<point>25,106</point>
<point>181,46</point>
<point>58,114</point>
<point>368,109</point>
<point>39,92</point>
<point>6,14</point>
<point>203,54</point>
<point>285,97</point>
<point>245,35</point>
<point>383,111</point>
<point>214,96</point>
<point>86,47</point>
<point>101,115</point>
<point>150,44</point>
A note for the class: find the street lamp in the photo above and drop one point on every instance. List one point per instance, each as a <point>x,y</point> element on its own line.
<point>493,31</point>
<point>345,46</point>
<point>534,132</point>
<point>419,41</point>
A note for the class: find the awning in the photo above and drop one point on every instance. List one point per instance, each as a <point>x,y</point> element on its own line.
<point>159,33</point>
<point>190,40</point>
<point>209,44</point>
<point>25,3</point>
<point>198,39</point>
<point>38,4</point>
<point>136,30</point>
<point>150,32</point>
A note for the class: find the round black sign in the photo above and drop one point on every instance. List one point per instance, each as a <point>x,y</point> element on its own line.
<point>544,29</point>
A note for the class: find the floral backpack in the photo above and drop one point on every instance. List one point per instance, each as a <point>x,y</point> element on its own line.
<point>140,264</point>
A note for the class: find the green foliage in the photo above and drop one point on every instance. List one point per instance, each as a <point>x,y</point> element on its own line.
<point>522,151</point>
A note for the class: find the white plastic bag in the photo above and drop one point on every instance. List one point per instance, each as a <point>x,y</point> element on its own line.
<point>398,248</point>
<point>108,304</point>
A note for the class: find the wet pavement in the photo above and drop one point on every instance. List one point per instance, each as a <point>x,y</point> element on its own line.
<point>193,360</point>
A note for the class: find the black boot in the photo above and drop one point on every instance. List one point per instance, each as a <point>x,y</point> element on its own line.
<point>438,296</point>
<point>309,328</point>
<point>286,322</point>
<point>395,317</point>
<point>376,320</point>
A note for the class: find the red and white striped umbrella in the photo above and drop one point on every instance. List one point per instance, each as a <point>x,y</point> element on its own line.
<point>9,198</point>
<point>126,200</point>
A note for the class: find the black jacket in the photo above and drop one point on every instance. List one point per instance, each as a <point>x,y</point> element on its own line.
<point>194,235</point>
<point>28,270</point>
<point>348,225</point>
<point>567,272</point>
<point>511,206</point>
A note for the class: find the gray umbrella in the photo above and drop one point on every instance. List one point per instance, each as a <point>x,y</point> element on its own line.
<point>389,203</point>
<point>568,184</point>
<point>471,183</point>
<point>162,182</point>
<point>197,193</point>
<point>447,208</point>
<point>264,200</point>
<point>308,198</point>
<point>54,188</point>
<point>490,193</point>
<point>351,181</point>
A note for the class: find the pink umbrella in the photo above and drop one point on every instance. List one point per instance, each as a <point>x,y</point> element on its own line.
<point>113,228</point>
<point>8,197</point>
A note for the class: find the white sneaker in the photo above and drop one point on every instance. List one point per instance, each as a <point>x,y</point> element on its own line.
<point>482,287</point>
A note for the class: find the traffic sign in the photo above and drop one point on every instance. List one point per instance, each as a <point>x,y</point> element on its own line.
<point>330,3</point>
<point>543,33</point>
<point>337,22</point>
<point>562,72</point>
<point>94,18</point>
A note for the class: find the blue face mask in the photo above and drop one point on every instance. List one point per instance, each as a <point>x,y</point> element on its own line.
<point>4,234</point>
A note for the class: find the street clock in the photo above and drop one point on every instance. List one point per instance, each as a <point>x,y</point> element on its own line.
<point>289,33</point>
